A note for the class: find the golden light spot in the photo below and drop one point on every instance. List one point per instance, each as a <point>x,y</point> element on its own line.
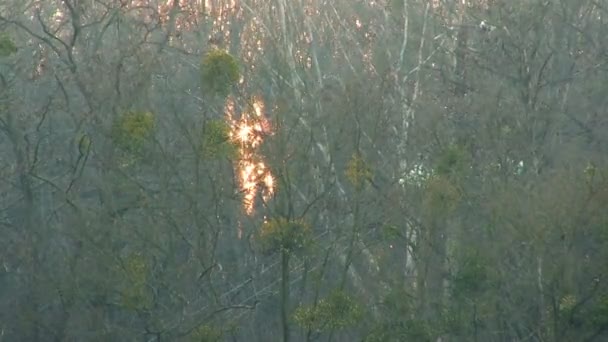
<point>243,133</point>
<point>249,132</point>
<point>258,107</point>
<point>269,182</point>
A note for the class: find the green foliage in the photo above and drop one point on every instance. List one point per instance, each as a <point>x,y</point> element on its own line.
<point>441,195</point>
<point>219,71</point>
<point>206,333</point>
<point>132,130</point>
<point>337,311</point>
<point>358,171</point>
<point>282,234</point>
<point>471,276</point>
<point>593,313</point>
<point>453,161</point>
<point>7,46</point>
<point>590,172</point>
<point>390,232</point>
<point>400,330</point>
<point>216,140</point>
<point>398,302</point>
<point>136,296</point>
<point>566,304</point>
<point>598,315</point>
<point>603,232</point>
<point>402,321</point>
<point>84,144</point>
<point>454,321</point>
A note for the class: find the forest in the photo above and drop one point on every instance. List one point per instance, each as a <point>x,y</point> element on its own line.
<point>304,170</point>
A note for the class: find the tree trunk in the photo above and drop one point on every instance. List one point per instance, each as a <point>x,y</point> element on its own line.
<point>285,294</point>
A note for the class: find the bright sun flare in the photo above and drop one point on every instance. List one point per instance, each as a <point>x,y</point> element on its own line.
<point>249,132</point>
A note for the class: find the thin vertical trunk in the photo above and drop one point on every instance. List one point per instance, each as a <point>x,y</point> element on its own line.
<point>285,294</point>
<point>541,299</point>
<point>29,229</point>
<point>288,49</point>
<point>431,279</point>
<point>460,87</point>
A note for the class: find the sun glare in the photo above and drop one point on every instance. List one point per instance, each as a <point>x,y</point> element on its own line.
<point>249,132</point>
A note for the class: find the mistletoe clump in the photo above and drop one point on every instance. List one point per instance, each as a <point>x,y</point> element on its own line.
<point>133,129</point>
<point>441,195</point>
<point>216,140</point>
<point>453,161</point>
<point>358,171</point>
<point>220,71</point>
<point>7,46</point>
<point>207,333</point>
<point>283,234</point>
<point>136,295</point>
<point>337,311</point>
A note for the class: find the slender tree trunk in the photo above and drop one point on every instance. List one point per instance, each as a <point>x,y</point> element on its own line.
<point>541,300</point>
<point>29,229</point>
<point>460,87</point>
<point>285,294</point>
